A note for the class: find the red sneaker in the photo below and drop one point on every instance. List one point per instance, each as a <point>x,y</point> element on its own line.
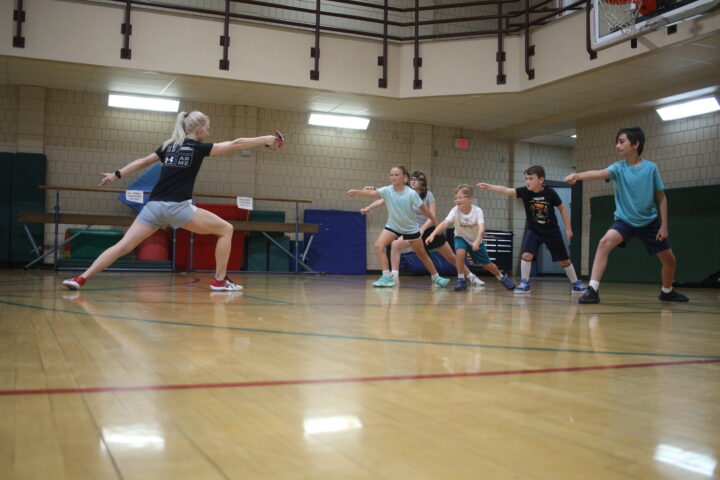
<point>74,283</point>
<point>225,285</point>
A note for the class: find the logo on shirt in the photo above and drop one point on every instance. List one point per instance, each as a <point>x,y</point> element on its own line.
<point>182,158</point>
<point>540,210</point>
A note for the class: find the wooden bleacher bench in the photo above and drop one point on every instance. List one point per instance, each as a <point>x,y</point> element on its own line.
<point>76,219</point>
<point>124,221</point>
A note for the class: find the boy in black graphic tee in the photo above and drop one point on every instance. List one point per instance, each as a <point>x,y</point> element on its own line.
<point>540,203</point>
<point>170,201</point>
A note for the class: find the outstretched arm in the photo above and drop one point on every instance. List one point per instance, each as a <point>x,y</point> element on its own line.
<point>241,143</point>
<point>375,204</point>
<point>131,167</point>
<point>588,175</point>
<point>438,230</point>
<point>510,192</point>
<point>365,192</point>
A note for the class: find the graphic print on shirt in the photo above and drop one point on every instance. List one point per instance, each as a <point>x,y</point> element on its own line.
<point>179,158</point>
<point>540,209</point>
<point>466,220</point>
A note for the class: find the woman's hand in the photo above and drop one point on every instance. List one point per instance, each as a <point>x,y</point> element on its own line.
<point>108,178</point>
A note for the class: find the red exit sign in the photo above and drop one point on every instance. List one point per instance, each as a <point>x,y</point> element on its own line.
<point>462,143</point>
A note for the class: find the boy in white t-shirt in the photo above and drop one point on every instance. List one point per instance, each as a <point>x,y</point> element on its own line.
<point>469,223</point>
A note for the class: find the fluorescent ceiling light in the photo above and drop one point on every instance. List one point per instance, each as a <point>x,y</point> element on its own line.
<point>340,121</point>
<point>155,104</point>
<point>688,109</point>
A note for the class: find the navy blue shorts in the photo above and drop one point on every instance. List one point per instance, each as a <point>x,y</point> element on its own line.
<point>553,241</point>
<point>646,235</point>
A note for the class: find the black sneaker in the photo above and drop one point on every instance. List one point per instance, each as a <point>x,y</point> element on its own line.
<point>673,296</point>
<point>591,296</point>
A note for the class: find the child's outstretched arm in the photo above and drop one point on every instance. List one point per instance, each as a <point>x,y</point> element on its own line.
<point>587,175</point>
<point>510,192</point>
<point>438,230</point>
<point>365,192</point>
<point>375,204</point>
<point>566,219</point>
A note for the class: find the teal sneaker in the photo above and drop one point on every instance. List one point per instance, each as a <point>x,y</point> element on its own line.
<point>384,281</point>
<point>441,281</point>
<point>578,287</point>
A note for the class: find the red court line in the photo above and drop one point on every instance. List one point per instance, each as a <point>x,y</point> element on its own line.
<point>274,383</point>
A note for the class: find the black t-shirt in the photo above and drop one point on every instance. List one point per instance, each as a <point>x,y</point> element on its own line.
<point>181,165</point>
<point>540,209</point>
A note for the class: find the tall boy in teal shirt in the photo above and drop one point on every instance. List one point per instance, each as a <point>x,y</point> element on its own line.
<point>637,185</point>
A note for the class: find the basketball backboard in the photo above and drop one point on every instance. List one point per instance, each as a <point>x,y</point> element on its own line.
<point>651,15</point>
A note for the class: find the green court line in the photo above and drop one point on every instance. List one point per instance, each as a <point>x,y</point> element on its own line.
<point>357,338</point>
<point>647,308</point>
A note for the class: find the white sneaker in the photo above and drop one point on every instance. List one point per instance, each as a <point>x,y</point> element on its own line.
<point>475,281</point>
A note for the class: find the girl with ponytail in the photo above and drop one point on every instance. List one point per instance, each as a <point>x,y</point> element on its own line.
<point>170,202</point>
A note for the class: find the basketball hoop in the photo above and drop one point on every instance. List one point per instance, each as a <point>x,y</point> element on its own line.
<point>621,15</point>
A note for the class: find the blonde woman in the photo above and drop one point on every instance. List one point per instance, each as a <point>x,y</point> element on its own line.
<point>170,202</point>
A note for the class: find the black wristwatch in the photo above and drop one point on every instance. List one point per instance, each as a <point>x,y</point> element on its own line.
<point>117,174</point>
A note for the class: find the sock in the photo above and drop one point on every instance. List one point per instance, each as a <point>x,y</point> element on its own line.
<point>386,273</point>
<point>525,268</point>
<point>595,285</point>
<point>667,290</point>
<point>499,276</point>
<point>437,275</point>
<point>461,275</point>
<point>570,272</point>
<point>394,273</point>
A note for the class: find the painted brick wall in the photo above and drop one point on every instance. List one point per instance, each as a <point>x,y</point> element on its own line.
<point>686,152</point>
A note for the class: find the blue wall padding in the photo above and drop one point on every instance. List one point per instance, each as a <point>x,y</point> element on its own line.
<point>146,181</point>
<point>339,245</point>
<point>411,264</point>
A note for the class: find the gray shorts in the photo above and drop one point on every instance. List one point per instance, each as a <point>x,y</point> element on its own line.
<point>161,214</point>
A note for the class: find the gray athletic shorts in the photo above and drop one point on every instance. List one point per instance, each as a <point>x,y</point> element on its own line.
<point>161,214</point>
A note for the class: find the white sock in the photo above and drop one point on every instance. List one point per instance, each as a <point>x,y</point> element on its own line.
<point>667,290</point>
<point>525,269</point>
<point>462,275</point>
<point>394,273</point>
<point>570,272</point>
<point>435,276</point>
<point>595,285</point>
<point>386,273</point>
<point>499,276</point>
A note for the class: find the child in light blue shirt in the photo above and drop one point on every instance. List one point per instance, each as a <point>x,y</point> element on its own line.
<point>402,222</point>
<point>637,186</point>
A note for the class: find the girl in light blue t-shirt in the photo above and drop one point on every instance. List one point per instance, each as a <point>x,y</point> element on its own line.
<point>401,200</point>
